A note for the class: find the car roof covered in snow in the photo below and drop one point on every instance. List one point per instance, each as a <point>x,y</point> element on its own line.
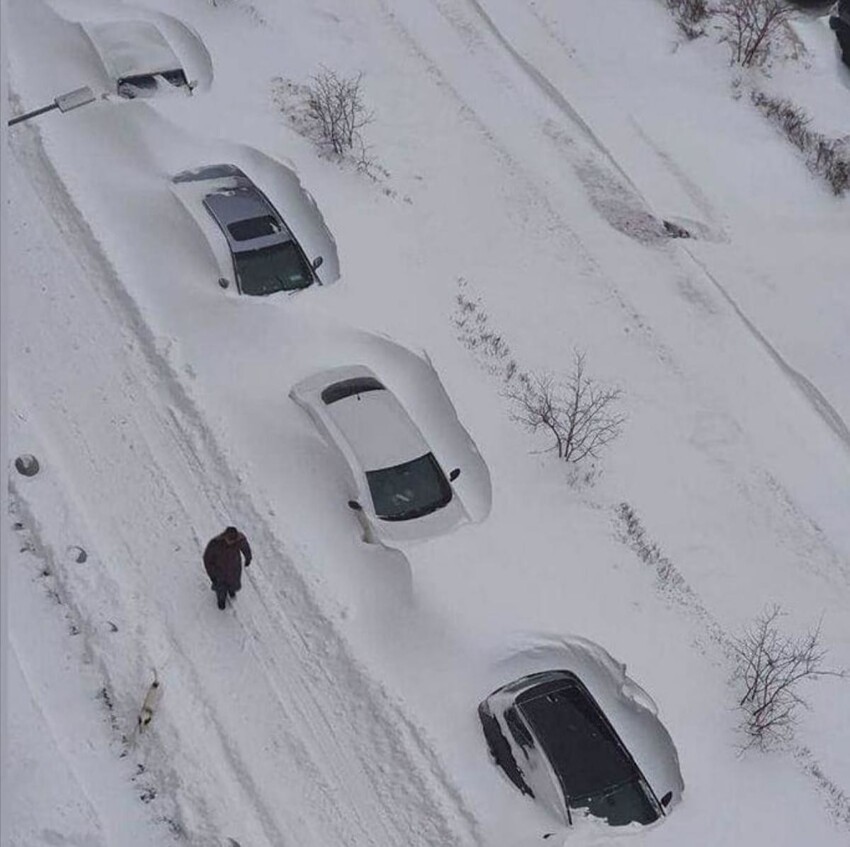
<point>378,429</point>
<point>132,48</point>
<point>230,197</point>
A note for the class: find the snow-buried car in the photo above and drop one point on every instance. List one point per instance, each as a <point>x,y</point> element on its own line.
<point>255,247</point>
<point>405,484</point>
<point>146,57</point>
<point>840,23</point>
<point>584,739</point>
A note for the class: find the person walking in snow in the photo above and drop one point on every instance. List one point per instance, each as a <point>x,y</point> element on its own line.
<point>223,563</point>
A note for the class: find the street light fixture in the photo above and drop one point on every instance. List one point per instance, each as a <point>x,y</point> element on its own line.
<point>64,103</point>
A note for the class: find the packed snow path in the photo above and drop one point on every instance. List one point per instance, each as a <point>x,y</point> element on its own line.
<point>274,713</point>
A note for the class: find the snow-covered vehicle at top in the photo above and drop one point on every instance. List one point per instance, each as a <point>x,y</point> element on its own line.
<point>142,58</point>
<point>839,22</point>
<point>584,740</point>
<point>402,487</point>
<point>254,246</point>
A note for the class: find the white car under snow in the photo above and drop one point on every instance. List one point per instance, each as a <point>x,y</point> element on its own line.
<point>152,54</point>
<point>402,487</point>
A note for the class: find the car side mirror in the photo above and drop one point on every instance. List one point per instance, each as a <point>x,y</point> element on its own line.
<point>223,282</point>
<point>454,474</point>
<point>317,263</point>
<point>665,800</point>
<point>353,504</point>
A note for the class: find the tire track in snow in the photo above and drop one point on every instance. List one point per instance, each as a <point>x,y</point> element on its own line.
<point>384,759</point>
<point>556,222</point>
<point>554,95</point>
<point>811,393</point>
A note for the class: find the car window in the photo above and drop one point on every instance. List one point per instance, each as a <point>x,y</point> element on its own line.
<point>348,387</point>
<point>410,490</point>
<point>143,85</point>
<point>518,728</point>
<point>500,750</point>
<point>253,228</point>
<point>269,269</point>
<point>624,804</point>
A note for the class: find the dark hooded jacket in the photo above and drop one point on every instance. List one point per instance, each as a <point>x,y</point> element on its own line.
<point>223,558</point>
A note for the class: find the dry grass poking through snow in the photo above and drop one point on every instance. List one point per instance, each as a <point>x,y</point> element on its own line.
<point>827,157</point>
<point>578,415</point>
<point>330,110</point>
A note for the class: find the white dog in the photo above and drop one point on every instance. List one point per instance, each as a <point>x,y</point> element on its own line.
<point>149,704</point>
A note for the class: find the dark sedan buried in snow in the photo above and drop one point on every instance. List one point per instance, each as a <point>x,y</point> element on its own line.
<point>603,753</point>
<point>262,255</point>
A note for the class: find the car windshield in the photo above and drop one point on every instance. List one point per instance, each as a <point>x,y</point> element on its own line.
<point>410,490</point>
<point>624,804</point>
<point>594,769</point>
<point>269,269</point>
<point>143,85</point>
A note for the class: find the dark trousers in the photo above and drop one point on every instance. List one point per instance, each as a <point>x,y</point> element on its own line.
<point>221,592</point>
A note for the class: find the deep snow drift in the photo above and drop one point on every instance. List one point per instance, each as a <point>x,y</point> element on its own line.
<point>528,172</point>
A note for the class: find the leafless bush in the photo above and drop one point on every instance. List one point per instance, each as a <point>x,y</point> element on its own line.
<point>690,15</point>
<point>336,109</point>
<point>577,412</point>
<point>751,26</point>
<point>771,666</point>
<point>828,157</point>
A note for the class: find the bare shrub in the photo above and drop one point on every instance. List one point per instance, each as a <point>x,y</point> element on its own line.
<point>771,666</point>
<point>828,157</point>
<point>750,27</point>
<point>690,15</point>
<point>336,109</point>
<point>576,412</point>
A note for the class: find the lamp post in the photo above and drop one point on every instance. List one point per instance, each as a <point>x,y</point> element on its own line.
<point>64,103</point>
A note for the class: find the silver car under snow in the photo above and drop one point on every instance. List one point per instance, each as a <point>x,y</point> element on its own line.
<point>265,256</point>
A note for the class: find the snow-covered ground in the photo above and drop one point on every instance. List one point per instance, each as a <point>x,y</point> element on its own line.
<point>531,150</point>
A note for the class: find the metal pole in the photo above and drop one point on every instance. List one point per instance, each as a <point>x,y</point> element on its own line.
<point>32,114</point>
<point>64,103</point>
